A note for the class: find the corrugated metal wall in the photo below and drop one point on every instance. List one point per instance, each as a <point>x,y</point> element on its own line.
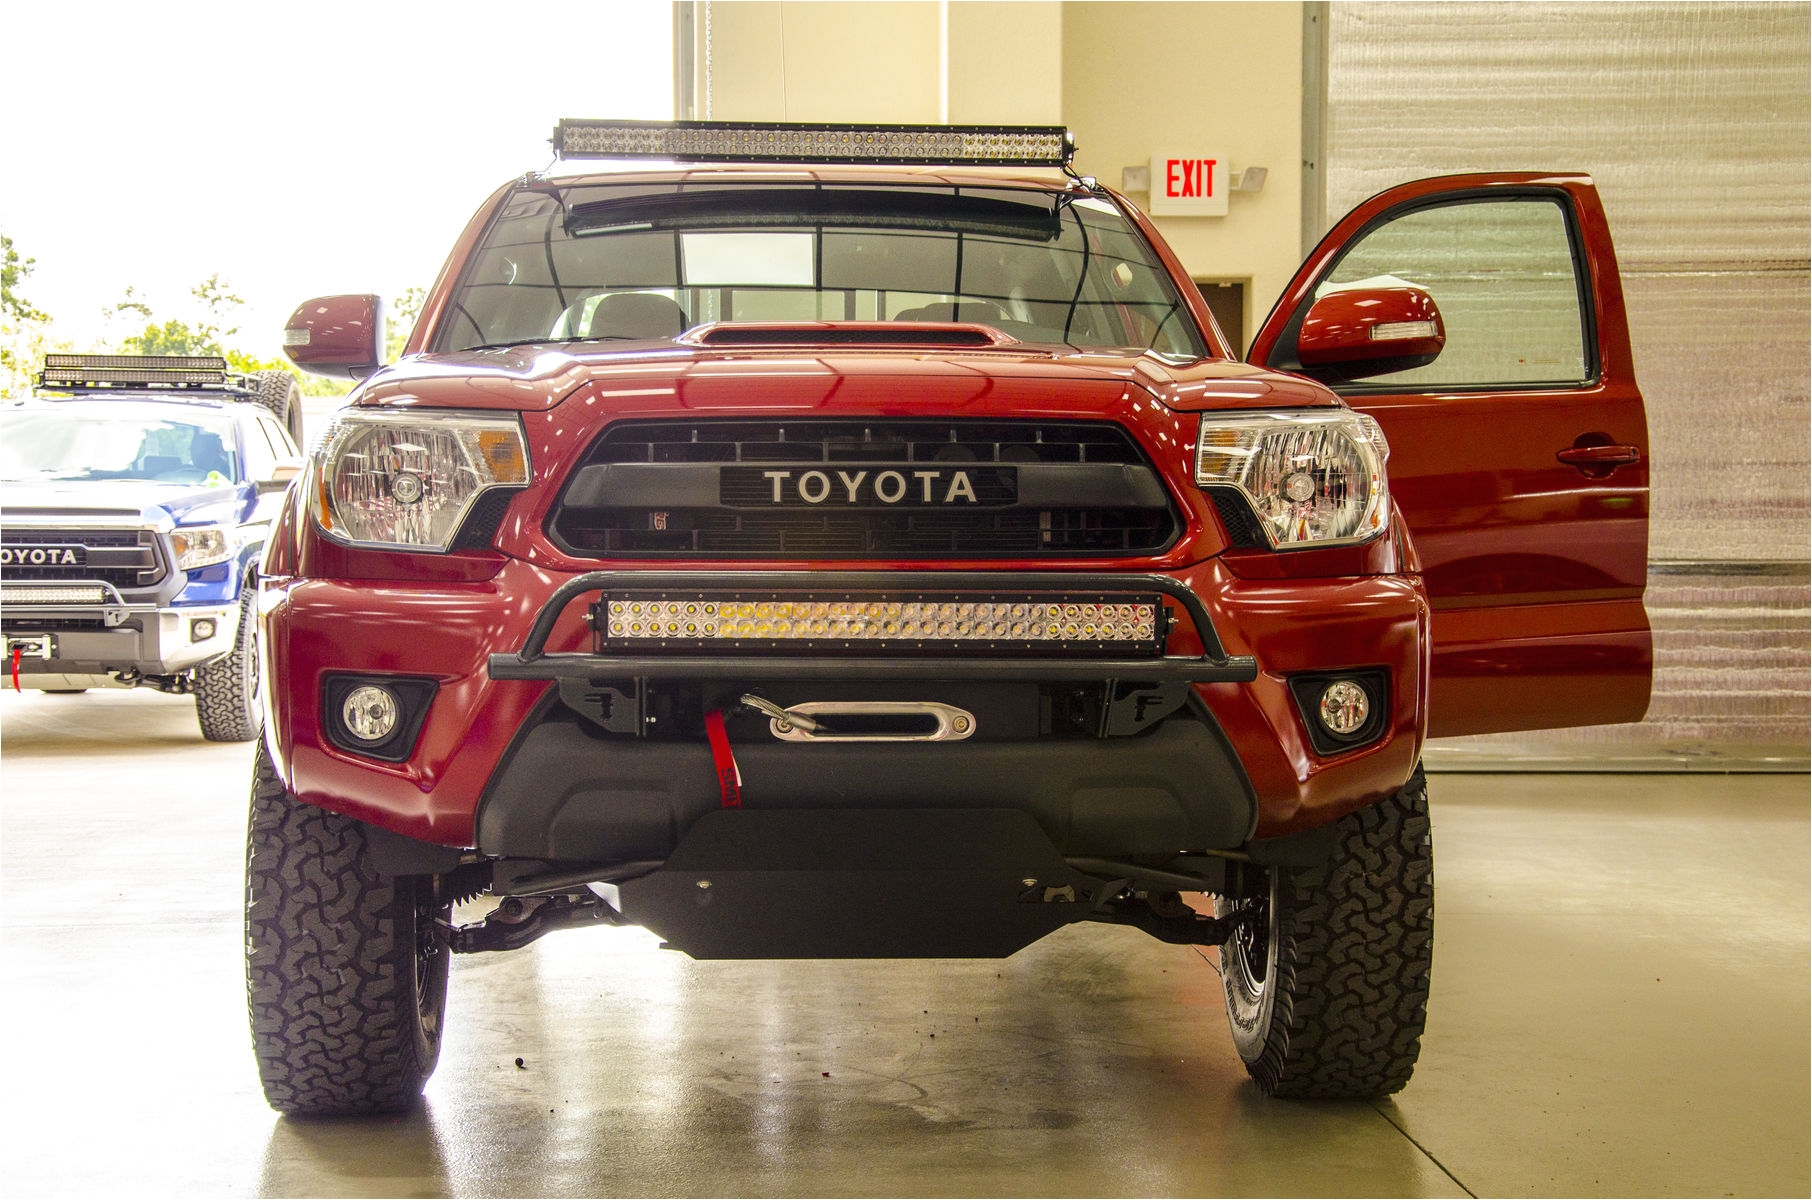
<point>1694,120</point>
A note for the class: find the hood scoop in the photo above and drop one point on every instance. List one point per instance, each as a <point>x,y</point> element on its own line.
<point>944,334</point>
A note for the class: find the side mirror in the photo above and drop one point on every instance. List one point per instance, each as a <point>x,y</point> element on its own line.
<point>341,336</point>
<point>286,471</point>
<point>1370,331</point>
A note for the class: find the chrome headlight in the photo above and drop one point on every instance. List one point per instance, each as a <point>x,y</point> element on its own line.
<point>1312,478</point>
<point>203,545</point>
<point>408,479</point>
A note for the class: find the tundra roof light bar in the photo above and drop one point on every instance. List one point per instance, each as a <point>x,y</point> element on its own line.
<point>735,141</point>
<point>132,370</point>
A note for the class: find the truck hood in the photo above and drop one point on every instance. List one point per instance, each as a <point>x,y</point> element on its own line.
<point>690,378</point>
<point>150,503</point>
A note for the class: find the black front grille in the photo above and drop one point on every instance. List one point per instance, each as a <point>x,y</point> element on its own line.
<point>691,492</point>
<point>125,558</point>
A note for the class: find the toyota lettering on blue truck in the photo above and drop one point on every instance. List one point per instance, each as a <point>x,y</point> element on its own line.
<point>135,493</point>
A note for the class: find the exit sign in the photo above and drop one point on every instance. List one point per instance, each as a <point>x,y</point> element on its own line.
<point>1189,186</point>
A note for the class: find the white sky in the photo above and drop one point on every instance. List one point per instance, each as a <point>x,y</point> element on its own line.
<point>297,149</point>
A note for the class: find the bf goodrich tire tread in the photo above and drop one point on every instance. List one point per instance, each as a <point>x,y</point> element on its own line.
<point>1355,941</point>
<point>330,964</point>
<point>226,690</point>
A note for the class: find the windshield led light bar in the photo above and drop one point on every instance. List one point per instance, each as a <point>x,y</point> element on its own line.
<point>732,141</point>
<point>53,595</point>
<point>77,370</point>
<point>1067,622</point>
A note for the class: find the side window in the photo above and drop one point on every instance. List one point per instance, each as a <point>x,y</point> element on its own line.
<point>1503,275</point>
<point>278,437</point>
<point>259,460</point>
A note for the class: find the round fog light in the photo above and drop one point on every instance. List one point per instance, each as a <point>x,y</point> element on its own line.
<point>1345,707</point>
<point>370,713</point>
<point>201,631</point>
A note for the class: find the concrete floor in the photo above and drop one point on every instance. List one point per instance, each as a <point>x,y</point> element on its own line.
<point>1620,1008</point>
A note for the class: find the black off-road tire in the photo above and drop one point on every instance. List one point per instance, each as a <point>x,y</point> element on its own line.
<point>226,690</point>
<point>279,392</point>
<point>1327,988</point>
<point>346,971</point>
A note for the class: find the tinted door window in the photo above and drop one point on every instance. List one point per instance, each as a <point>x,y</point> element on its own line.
<point>1504,277</point>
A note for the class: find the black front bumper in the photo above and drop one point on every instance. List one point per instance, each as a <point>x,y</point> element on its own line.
<point>569,793</point>
<point>878,848</point>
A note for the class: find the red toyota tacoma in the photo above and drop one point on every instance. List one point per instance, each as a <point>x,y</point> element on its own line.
<point>814,541</point>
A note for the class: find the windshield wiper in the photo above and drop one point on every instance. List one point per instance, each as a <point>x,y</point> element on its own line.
<point>512,345</point>
<point>565,341</point>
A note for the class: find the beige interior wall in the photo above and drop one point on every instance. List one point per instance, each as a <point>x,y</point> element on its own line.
<point>1146,78</point>
<point>1005,63</point>
<point>892,61</point>
<point>1131,79</point>
<point>823,60</point>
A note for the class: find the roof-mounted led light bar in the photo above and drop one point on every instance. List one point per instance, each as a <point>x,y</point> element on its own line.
<point>114,370</point>
<point>733,141</point>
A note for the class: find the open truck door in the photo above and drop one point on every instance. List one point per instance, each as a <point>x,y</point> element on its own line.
<point>1480,320</point>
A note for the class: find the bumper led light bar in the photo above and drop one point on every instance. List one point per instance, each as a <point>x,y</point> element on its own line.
<point>23,594</point>
<point>1067,623</point>
<point>89,370</point>
<point>727,141</point>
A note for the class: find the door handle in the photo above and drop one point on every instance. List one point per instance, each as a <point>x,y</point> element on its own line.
<point>1599,456</point>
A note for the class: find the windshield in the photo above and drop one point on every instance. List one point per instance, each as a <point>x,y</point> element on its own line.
<point>622,261</point>
<point>89,441</point>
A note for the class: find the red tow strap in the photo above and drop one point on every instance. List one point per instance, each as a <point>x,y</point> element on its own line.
<point>17,651</point>
<point>729,779</point>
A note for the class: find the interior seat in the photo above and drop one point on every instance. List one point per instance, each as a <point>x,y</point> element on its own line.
<point>974,312</point>
<point>207,453</point>
<point>636,315</point>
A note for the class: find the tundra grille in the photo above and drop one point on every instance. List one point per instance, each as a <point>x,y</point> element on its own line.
<point>898,489</point>
<point>125,558</point>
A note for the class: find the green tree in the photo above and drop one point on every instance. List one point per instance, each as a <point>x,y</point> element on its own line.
<point>207,336</point>
<point>216,324</point>
<point>24,329</point>
<point>399,323</point>
<point>13,271</point>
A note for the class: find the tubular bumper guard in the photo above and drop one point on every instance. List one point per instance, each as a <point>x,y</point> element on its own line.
<point>533,662</point>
